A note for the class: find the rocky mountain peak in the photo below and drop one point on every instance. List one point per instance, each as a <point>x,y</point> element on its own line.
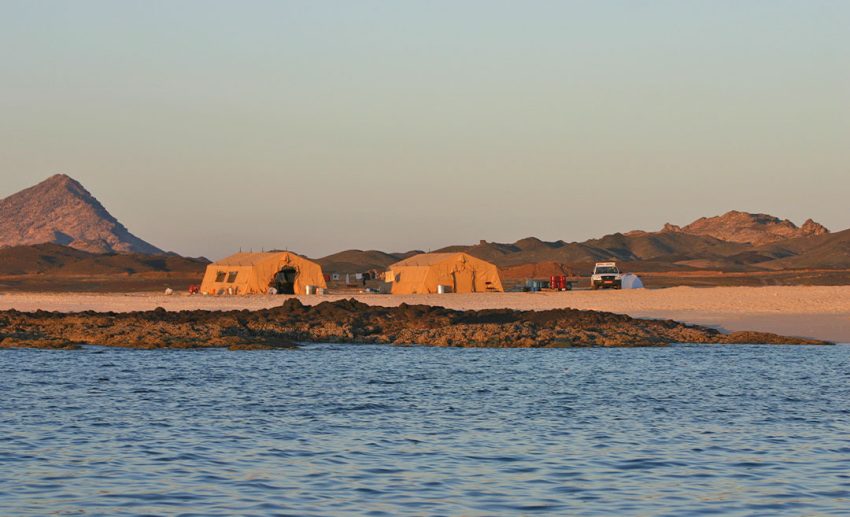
<point>60,210</point>
<point>810,227</point>
<point>745,227</point>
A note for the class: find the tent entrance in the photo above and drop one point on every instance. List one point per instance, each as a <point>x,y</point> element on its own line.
<point>284,280</point>
<point>464,281</point>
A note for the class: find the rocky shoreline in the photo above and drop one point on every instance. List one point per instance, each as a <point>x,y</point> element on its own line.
<point>349,321</point>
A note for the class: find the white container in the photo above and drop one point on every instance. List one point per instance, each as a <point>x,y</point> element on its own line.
<point>310,289</point>
<point>443,289</point>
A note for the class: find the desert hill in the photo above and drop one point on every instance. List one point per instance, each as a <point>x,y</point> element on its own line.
<point>55,259</point>
<point>755,229</point>
<point>60,210</point>
<point>826,251</point>
<point>56,268</point>
<point>733,242</point>
<point>669,248</point>
<point>357,261</point>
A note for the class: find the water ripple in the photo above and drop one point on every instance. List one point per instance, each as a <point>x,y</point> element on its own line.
<point>373,430</point>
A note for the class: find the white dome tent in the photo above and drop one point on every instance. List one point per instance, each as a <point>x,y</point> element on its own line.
<point>632,281</point>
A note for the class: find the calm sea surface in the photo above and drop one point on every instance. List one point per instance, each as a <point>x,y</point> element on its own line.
<point>375,430</point>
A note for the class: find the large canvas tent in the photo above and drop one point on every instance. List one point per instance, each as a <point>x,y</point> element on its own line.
<point>460,272</point>
<point>254,273</point>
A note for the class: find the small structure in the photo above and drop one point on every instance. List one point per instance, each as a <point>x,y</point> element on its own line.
<point>427,272</point>
<point>258,273</point>
<point>632,281</point>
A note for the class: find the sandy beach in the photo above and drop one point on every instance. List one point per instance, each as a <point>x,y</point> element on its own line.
<point>817,312</point>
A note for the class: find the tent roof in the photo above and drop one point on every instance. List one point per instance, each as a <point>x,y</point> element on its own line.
<point>252,259</point>
<point>429,259</point>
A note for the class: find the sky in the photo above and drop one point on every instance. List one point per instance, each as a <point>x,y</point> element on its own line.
<point>318,126</point>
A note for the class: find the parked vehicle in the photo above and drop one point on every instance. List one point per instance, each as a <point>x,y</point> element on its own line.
<point>606,275</point>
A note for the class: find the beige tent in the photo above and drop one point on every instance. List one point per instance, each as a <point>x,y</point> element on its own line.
<point>254,273</point>
<point>460,272</point>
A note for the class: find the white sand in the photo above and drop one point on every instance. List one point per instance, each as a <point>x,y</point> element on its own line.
<point>816,312</point>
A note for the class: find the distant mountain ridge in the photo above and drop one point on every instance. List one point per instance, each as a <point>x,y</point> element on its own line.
<point>357,261</point>
<point>58,260</point>
<point>59,210</point>
<point>733,242</point>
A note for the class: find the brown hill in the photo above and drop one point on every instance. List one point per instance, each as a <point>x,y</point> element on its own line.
<point>357,261</point>
<point>61,211</point>
<point>538,270</point>
<point>58,260</point>
<point>636,247</point>
<point>827,251</point>
<point>723,243</point>
<point>755,229</point>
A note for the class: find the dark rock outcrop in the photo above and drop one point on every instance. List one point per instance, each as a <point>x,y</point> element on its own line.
<point>349,321</point>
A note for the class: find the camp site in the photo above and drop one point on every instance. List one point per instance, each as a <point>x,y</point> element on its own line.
<point>289,273</point>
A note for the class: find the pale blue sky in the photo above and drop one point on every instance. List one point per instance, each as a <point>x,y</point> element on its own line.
<point>207,126</point>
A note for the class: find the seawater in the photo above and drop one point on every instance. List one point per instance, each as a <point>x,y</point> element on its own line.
<point>378,430</point>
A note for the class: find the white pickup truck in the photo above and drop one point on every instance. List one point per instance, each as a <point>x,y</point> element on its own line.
<point>606,275</point>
